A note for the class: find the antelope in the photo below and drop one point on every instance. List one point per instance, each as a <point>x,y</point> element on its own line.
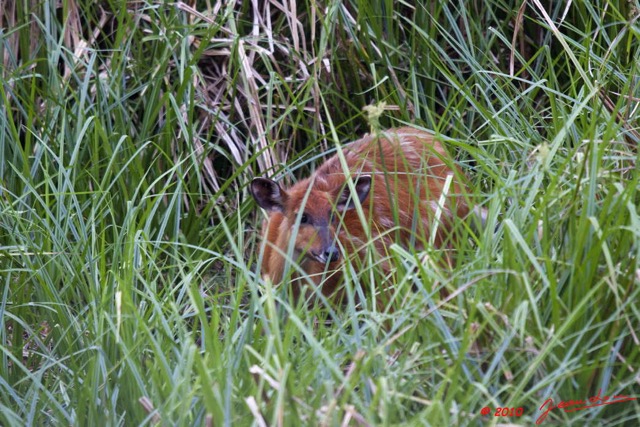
<point>387,188</point>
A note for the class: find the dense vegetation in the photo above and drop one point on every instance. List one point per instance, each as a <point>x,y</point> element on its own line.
<point>128,243</point>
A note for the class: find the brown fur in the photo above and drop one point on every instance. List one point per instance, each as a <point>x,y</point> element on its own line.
<point>402,171</point>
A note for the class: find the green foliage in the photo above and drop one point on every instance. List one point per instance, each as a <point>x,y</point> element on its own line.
<point>128,243</point>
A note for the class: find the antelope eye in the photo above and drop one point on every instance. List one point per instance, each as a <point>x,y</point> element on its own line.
<point>304,219</point>
<point>333,218</point>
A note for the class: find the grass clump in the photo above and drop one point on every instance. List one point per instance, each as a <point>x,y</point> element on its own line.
<point>128,242</point>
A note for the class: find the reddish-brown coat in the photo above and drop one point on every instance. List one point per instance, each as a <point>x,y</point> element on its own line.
<point>408,169</point>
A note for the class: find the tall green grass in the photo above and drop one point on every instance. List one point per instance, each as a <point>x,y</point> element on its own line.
<point>129,243</point>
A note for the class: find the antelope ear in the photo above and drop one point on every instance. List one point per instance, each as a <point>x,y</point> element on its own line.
<point>362,185</point>
<point>268,194</point>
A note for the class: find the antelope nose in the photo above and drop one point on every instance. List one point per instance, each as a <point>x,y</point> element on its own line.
<point>331,254</point>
